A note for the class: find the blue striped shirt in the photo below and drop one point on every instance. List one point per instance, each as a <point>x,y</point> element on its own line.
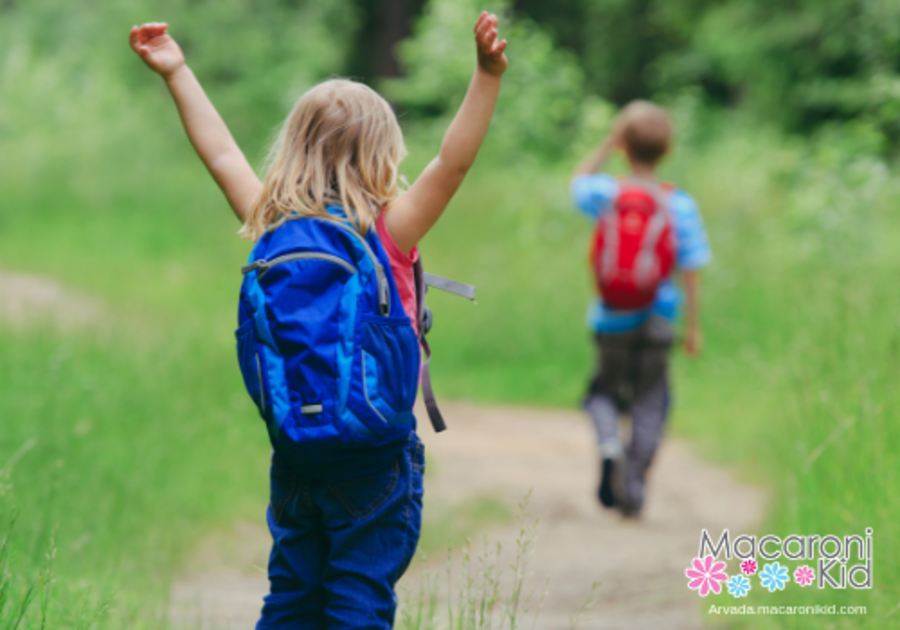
<point>594,195</point>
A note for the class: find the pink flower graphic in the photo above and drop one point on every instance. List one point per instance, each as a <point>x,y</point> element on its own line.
<point>804,576</point>
<point>748,567</point>
<point>705,576</point>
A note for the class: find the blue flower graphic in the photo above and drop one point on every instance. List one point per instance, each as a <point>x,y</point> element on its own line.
<point>738,586</point>
<point>773,577</point>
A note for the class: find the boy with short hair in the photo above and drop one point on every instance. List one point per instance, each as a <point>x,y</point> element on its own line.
<point>634,342</point>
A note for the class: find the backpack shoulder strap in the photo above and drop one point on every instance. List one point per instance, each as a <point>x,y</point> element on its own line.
<point>661,194</point>
<point>424,319</point>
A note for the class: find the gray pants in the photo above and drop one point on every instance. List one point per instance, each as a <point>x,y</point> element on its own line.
<point>632,378</point>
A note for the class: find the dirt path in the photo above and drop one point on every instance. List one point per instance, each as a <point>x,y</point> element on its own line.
<point>26,299</point>
<point>491,451</point>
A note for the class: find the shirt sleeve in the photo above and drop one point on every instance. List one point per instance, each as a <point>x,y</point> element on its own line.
<point>593,194</point>
<point>692,249</point>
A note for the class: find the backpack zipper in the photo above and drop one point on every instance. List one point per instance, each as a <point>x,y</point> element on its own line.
<point>264,265</point>
<point>384,290</point>
<point>262,385</point>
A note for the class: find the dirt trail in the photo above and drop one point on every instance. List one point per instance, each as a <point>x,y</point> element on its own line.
<point>491,451</point>
<point>26,299</point>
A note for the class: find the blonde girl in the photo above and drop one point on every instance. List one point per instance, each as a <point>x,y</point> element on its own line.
<point>344,519</point>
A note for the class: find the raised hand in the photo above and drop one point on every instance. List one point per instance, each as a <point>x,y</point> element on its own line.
<point>157,48</point>
<point>205,128</point>
<point>490,51</point>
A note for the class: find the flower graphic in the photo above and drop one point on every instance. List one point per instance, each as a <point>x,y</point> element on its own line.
<point>773,577</point>
<point>705,576</point>
<point>748,567</point>
<point>804,576</point>
<point>738,586</point>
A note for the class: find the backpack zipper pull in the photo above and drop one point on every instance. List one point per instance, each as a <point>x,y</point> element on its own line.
<point>262,265</point>
<point>384,293</point>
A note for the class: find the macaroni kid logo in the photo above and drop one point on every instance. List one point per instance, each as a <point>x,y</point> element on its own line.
<point>823,561</point>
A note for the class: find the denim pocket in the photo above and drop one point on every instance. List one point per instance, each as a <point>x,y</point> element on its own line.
<point>251,364</point>
<point>364,495</point>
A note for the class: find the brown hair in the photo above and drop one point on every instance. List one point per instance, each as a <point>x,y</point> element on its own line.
<point>341,144</point>
<point>646,131</point>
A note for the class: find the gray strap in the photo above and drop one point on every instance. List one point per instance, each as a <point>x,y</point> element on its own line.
<point>643,268</point>
<point>434,413</point>
<point>424,280</point>
<point>651,237</point>
<point>450,286</point>
<point>610,255</point>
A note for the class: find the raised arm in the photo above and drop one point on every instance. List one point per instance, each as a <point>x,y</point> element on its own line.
<point>410,216</point>
<point>693,339</point>
<point>205,128</point>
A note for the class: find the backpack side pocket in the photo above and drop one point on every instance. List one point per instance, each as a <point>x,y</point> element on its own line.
<point>251,364</point>
<point>388,369</point>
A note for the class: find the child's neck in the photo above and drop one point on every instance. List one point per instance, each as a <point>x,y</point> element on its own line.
<point>643,171</point>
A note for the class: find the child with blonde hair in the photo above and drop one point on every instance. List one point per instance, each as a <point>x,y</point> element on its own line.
<point>645,230</point>
<point>329,321</point>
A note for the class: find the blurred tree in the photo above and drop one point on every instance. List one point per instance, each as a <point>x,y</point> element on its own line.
<point>542,99</point>
<point>383,24</point>
<point>618,41</point>
<point>253,56</point>
<point>804,63</point>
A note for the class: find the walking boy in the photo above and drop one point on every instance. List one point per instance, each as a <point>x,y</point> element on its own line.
<point>645,229</point>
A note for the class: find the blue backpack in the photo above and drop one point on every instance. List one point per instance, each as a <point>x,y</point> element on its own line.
<point>326,350</point>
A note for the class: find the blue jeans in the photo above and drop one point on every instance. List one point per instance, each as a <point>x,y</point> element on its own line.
<point>339,548</point>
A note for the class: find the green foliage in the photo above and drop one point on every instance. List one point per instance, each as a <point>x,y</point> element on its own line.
<point>540,105</point>
<point>71,60</point>
<point>118,446</point>
<point>802,336</point>
<point>801,63</point>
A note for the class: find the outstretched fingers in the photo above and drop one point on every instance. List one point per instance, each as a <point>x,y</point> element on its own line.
<point>486,23</point>
<point>140,36</point>
<point>487,42</point>
<point>490,48</point>
<point>480,21</point>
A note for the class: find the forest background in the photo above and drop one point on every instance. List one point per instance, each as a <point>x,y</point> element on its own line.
<point>124,443</point>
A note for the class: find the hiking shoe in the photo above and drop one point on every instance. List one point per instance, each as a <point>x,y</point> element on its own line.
<point>611,488</point>
<point>604,492</point>
<point>630,510</point>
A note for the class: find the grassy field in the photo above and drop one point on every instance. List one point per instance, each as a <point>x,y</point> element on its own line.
<point>123,443</point>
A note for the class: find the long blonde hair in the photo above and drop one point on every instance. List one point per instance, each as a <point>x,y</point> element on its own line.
<point>340,144</point>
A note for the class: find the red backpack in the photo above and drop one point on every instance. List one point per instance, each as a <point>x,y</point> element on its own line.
<point>634,245</point>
